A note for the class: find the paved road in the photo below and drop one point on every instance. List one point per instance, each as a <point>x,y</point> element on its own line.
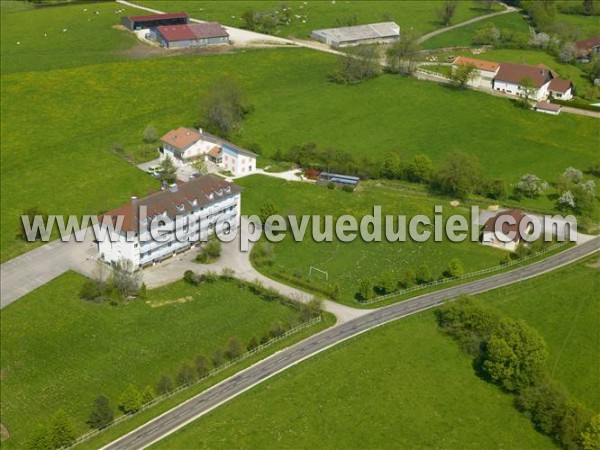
<point>201,404</point>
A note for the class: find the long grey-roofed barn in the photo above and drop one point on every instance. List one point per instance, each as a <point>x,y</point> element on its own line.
<point>373,33</point>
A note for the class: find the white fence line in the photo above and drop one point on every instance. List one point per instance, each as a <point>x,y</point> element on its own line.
<point>211,373</point>
<point>463,277</point>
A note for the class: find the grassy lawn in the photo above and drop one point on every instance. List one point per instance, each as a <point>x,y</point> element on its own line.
<point>314,15</point>
<point>61,352</point>
<point>564,306</point>
<point>348,263</point>
<point>422,379</point>
<point>463,36</point>
<point>404,385</point>
<point>58,126</point>
<point>89,39</point>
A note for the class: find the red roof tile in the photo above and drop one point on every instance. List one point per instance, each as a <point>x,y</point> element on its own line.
<point>518,217</point>
<point>190,32</point>
<point>479,63</point>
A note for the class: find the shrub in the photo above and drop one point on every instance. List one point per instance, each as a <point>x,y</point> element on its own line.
<point>235,347</point>
<point>90,291</point>
<point>331,185</point>
<point>423,275</point>
<point>202,258</point>
<point>213,248</point>
<point>102,413</point>
<point>147,395</point>
<point>202,366</point>
<point>191,277</point>
<point>165,385</point>
<point>365,290</point>
<point>455,269</point>
<point>218,357</point>
<point>130,401</point>
<point>253,343</point>
<point>185,375</point>
<point>348,188</point>
<point>276,329</point>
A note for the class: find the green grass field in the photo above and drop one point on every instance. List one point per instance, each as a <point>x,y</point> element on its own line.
<point>404,385</point>
<point>58,126</point>
<point>463,36</point>
<point>315,15</point>
<point>348,263</point>
<point>89,39</point>
<point>409,373</point>
<point>60,352</point>
<point>564,306</point>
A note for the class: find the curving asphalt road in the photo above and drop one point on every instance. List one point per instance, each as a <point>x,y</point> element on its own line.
<point>201,404</point>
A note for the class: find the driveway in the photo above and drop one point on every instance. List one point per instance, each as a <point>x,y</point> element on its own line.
<point>25,273</point>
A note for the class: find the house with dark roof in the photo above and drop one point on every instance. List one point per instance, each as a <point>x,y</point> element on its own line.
<point>190,35</point>
<point>180,216</point>
<point>510,79</point>
<point>504,230</point>
<point>587,48</point>
<point>184,145</point>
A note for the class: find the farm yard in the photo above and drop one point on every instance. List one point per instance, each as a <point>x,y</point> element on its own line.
<point>408,372</point>
<point>349,263</point>
<point>306,16</point>
<point>62,352</point>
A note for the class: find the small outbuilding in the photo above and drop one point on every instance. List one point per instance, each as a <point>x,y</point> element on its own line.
<point>338,180</point>
<point>134,23</point>
<point>190,35</point>
<point>374,33</point>
<point>547,108</point>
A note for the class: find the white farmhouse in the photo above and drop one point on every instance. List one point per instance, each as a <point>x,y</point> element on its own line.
<point>187,214</point>
<point>186,144</point>
<point>510,78</point>
<point>507,235</point>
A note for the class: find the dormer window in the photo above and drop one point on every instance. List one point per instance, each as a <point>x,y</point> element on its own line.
<point>180,208</point>
<point>219,192</point>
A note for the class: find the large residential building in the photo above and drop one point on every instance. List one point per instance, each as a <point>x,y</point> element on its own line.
<point>186,144</point>
<point>190,212</point>
<point>190,35</point>
<point>134,23</point>
<point>510,79</point>
<point>375,33</point>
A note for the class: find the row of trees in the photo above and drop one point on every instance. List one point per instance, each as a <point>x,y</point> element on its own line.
<point>511,354</point>
<point>390,282</point>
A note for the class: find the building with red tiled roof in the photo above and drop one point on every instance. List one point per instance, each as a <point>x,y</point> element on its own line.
<point>511,78</point>
<point>503,230</point>
<point>186,144</point>
<point>485,70</point>
<point>588,47</point>
<point>187,213</point>
<point>190,35</point>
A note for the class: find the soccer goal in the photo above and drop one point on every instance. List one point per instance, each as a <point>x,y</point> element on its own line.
<point>322,272</point>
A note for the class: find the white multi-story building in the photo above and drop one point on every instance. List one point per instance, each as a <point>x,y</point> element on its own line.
<point>169,221</point>
<point>512,78</point>
<point>186,144</point>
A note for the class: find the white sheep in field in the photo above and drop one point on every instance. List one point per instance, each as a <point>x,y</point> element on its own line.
<point>64,30</point>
